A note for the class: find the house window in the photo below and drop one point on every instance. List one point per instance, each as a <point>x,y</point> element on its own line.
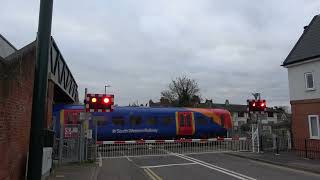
<point>270,114</point>
<point>314,126</point>
<point>240,114</point>
<point>309,81</point>
<point>240,123</point>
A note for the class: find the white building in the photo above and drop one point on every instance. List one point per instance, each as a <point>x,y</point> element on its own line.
<point>303,64</point>
<point>240,115</point>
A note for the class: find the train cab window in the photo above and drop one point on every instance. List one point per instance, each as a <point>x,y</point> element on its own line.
<point>118,121</point>
<point>222,120</point>
<point>167,120</point>
<point>188,120</point>
<point>202,120</point>
<point>181,120</point>
<point>135,120</point>
<point>151,121</point>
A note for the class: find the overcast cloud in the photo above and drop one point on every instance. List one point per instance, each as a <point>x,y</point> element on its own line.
<point>231,48</point>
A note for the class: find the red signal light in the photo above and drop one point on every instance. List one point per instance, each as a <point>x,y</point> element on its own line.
<point>106,100</point>
<point>262,104</point>
<point>254,104</point>
<point>94,100</point>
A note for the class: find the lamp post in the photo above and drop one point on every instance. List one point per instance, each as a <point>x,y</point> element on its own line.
<point>40,90</point>
<point>105,88</point>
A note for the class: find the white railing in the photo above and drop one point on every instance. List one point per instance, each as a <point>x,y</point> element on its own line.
<point>165,147</point>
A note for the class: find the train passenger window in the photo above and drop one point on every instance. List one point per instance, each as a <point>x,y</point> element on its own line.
<point>167,120</point>
<point>188,120</point>
<point>181,120</point>
<point>118,121</point>
<point>69,118</point>
<point>202,120</point>
<point>101,120</point>
<point>135,120</point>
<point>152,121</point>
<point>100,123</point>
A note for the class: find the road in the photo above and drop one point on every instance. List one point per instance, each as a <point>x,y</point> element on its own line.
<point>195,166</point>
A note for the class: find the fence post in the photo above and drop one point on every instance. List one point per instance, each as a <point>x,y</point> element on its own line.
<point>61,143</point>
<point>305,148</point>
<point>277,144</point>
<point>261,144</point>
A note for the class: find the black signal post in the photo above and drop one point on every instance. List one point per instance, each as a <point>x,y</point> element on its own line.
<point>40,90</point>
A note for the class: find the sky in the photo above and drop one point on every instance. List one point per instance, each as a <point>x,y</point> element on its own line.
<point>231,48</point>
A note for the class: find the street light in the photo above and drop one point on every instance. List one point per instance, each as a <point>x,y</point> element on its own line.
<point>105,88</point>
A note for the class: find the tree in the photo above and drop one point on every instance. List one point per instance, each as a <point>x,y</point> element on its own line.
<point>182,91</point>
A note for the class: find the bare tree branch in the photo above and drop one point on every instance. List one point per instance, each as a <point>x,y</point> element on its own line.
<point>183,90</point>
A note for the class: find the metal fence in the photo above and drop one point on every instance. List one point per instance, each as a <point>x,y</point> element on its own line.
<point>275,143</point>
<point>108,149</point>
<point>71,146</point>
<point>307,148</point>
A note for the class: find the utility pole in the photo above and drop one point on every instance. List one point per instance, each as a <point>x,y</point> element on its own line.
<point>40,90</point>
<point>257,96</point>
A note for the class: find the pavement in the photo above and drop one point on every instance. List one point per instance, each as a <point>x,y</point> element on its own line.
<point>285,159</point>
<point>85,171</point>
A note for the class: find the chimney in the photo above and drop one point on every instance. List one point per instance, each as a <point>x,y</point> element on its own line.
<point>227,102</point>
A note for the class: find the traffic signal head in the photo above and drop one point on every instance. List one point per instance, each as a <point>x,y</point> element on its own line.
<point>257,105</point>
<point>99,102</point>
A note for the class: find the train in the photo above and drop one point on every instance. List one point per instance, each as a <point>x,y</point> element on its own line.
<point>135,123</point>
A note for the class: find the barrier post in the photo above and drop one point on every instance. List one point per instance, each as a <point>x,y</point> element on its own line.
<point>277,145</point>
<point>261,144</point>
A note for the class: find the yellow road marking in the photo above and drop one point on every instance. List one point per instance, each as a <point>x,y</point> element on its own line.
<point>158,177</point>
<point>152,174</point>
<point>149,174</point>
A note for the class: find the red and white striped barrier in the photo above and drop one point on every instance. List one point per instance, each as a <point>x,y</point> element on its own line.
<point>172,141</point>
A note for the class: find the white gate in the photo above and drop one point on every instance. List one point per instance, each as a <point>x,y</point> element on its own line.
<point>109,149</point>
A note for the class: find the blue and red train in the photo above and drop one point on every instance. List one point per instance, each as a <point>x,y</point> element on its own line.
<point>132,123</point>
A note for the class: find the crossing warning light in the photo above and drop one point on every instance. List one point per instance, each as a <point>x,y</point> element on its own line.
<point>257,105</point>
<point>106,100</point>
<point>99,102</point>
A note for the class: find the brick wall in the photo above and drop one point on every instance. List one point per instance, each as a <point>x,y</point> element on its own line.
<point>16,92</point>
<point>300,125</point>
<point>15,109</point>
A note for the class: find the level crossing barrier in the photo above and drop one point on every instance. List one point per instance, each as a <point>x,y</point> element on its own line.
<point>109,149</point>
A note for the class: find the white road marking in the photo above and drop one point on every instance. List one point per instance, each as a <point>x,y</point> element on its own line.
<point>100,159</point>
<point>167,165</point>
<point>129,159</point>
<point>214,167</point>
